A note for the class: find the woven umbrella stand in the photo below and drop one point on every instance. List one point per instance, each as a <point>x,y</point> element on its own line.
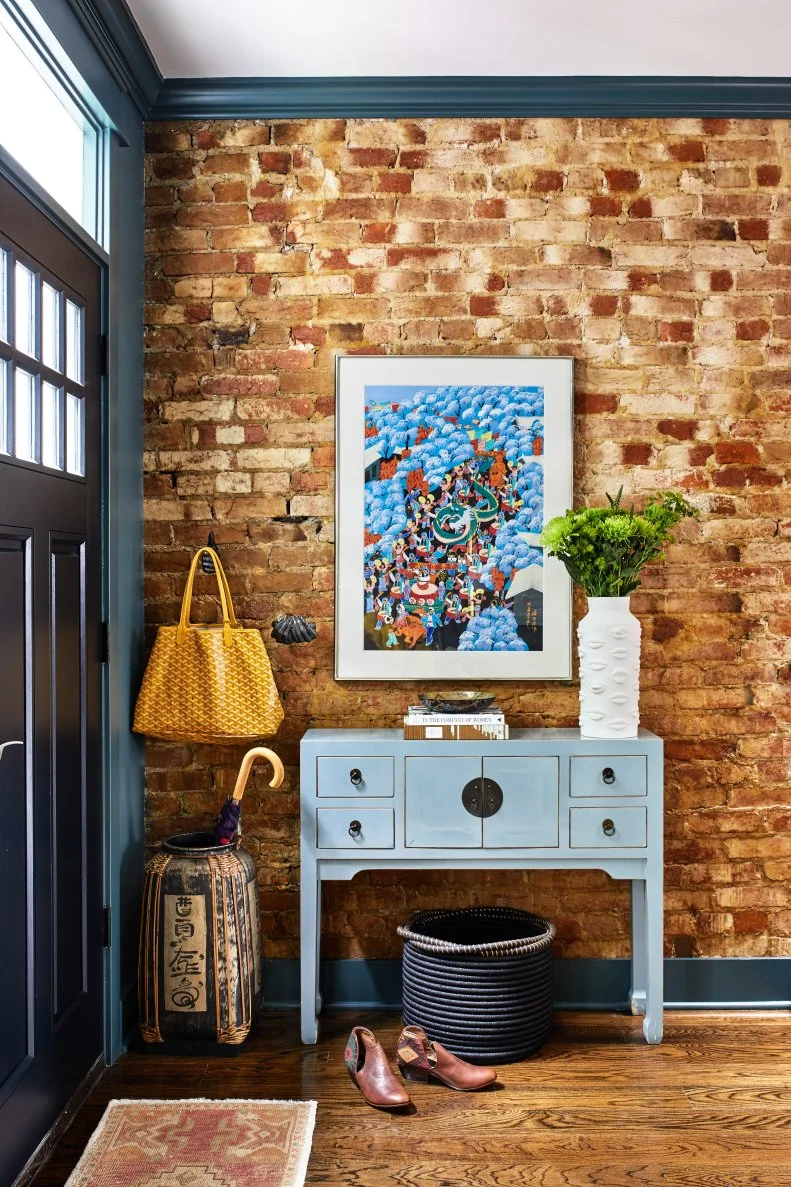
<point>199,971</point>
<point>479,980</point>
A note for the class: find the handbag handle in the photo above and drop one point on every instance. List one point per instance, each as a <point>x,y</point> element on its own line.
<point>247,763</point>
<point>228,616</point>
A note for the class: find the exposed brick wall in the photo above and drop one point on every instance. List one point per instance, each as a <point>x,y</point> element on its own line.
<point>658,254</point>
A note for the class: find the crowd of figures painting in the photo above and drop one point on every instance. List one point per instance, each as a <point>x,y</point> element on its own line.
<point>454,505</point>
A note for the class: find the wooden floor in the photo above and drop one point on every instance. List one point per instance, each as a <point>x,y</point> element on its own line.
<point>710,1107</point>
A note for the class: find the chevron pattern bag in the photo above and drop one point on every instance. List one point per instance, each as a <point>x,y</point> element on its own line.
<point>208,683</point>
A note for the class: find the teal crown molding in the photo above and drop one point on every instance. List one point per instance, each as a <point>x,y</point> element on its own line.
<point>383,98</point>
<point>114,34</point>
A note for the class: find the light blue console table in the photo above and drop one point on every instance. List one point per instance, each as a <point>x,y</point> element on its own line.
<point>545,799</point>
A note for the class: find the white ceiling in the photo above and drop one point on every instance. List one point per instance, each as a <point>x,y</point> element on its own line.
<point>261,38</point>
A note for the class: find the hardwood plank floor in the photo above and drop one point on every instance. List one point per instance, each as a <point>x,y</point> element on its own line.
<point>710,1107</point>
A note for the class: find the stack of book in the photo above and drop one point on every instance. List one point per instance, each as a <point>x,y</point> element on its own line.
<point>423,724</point>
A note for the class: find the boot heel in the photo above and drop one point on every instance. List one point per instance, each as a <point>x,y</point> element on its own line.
<point>410,1072</point>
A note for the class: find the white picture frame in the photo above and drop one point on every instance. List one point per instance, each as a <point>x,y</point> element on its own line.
<point>388,397</point>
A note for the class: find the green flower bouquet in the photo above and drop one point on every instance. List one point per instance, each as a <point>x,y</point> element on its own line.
<point>605,548</point>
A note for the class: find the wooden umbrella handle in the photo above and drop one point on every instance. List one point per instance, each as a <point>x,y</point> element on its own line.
<point>247,762</point>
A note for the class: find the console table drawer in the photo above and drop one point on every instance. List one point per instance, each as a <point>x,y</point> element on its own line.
<point>354,776</point>
<point>608,774</point>
<point>608,828</point>
<point>355,828</point>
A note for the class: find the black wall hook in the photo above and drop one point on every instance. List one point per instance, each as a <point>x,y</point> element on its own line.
<point>206,563</point>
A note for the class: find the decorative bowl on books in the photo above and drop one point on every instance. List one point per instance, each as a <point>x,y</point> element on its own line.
<point>457,702</point>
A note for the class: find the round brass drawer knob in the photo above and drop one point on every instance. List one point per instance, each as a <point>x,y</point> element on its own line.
<point>608,827</point>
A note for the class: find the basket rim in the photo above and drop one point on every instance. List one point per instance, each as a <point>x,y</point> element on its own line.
<point>522,945</point>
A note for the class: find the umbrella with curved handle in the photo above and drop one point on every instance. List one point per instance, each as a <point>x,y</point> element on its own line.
<point>227,824</point>
<point>246,767</point>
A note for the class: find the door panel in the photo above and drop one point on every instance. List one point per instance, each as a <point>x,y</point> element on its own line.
<point>529,813</point>
<point>67,653</point>
<point>435,815</point>
<point>14,800</point>
<point>51,993</point>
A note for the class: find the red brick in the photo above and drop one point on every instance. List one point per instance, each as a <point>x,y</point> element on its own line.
<point>752,331</point>
<point>721,281</point>
<point>230,191</point>
<point>622,180</point>
<point>268,212</point>
<point>676,331</point>
<point>490,208</point>
<point>728,452</point>
<point>750,921</point>
<point>274,162</point>
<point>198,263</point>
<point>636,454</point>
<point>366,157</point>
<point>602,305</point>
<point>682,430</point>
<point>173,168</point>
<point>393,183</point>
<point>687,151</point>
<point>753,228</point>
<point>605,207</point>
<point>640,208</point>
<point>746,476</point>
<point>546,181</point>
<point>226,163</point>
<point>769,174</point>
<point>592,402</point>
<point>266,189</point>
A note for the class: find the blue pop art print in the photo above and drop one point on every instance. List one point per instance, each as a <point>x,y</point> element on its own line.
<point>453,510</point>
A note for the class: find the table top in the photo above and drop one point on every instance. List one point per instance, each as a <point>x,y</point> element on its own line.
<point>517,735</point>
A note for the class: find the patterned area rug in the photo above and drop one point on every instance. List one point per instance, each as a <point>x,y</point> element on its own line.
<point>199,1143</point>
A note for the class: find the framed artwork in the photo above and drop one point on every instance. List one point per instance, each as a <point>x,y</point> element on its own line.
<point>447,470</point>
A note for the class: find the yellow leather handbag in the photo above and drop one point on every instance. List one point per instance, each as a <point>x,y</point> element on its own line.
<point>208,683</point>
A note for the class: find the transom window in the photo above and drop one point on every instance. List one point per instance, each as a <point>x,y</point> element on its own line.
<point>42,367</point>
<point>47,124</point>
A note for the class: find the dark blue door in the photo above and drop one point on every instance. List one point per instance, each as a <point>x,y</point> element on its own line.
<point>50,771</point>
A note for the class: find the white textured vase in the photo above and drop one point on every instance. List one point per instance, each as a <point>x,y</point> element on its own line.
<point>609,651</point>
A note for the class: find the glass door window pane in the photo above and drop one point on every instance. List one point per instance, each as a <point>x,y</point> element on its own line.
<point>25,310</point>
<point>74,342</point>
<point>25,435</point>
<point>4,327</point>
<point>5,402</point>
<point>75,435</point>
<point>51,431</point>
<point>50,327</point>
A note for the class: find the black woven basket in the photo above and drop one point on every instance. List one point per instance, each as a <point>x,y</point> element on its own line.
<point>479,980</point>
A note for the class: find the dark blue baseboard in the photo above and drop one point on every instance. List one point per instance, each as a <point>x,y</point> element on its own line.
<point>705,983</point>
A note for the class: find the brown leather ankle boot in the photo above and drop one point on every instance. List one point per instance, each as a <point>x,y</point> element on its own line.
<point>420,1059</point>
<point>370,1071</point>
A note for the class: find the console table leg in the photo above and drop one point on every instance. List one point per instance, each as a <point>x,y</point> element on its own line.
<point>319,1001</point>
<point>308,948</point>
<point>653,1021</point>
<point>639,973</point>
